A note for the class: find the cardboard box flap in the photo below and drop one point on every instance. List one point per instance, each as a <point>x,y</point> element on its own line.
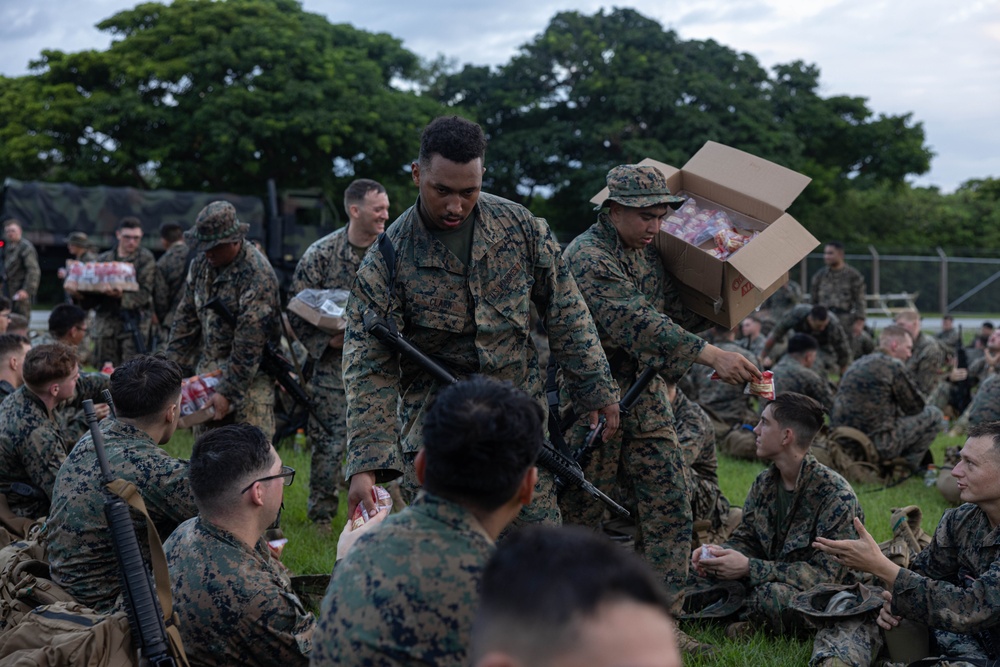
<point>787,242</point>
<point>666,169</point>
<point>746,174</point>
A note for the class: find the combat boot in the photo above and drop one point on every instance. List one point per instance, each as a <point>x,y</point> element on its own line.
<point>692,646</point>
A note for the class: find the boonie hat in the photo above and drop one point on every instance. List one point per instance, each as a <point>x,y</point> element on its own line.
<point>713,599</point>
<point>837,600</point>
<point>638,186</point>
<point>216,223</point>
<point>78,238</point>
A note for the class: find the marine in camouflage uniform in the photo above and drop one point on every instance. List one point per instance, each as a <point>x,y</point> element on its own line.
<point>471,313</point>
<point>834,346</point>
<point>235,604</point>
<point>407,593</point>
<point>952,586</point>
<point>638,311</point>
<point>778,304</point>
<point>172,267</point>
<point>879,397</point>
<point>33,443</point>
<point>80,549</point>
<point>929,362</point>
<point>985,406</point>
<point>726,404</point>
<point>248,287</point>
<point>838,286</point>
<point>21,265</point>
<point>791,375</point>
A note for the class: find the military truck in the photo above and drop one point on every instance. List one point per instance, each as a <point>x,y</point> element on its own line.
<point>285,223</point>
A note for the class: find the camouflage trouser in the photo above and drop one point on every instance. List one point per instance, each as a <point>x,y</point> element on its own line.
<point>325,478</point>
<point>911,438</point>
<point>707,501</point>
<point>650,467</point>
<point>543,508</point>
<point>858,641</point>
<point>768,603</point>
<point>257,408</point>
<point>111,341</point>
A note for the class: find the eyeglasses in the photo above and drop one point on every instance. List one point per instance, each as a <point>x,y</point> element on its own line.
<point>131,237</point>
<point>287,474</point>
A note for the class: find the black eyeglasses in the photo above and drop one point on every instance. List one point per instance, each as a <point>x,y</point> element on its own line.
<point>287,474</point>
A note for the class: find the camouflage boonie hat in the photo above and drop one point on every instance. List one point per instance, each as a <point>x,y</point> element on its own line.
<point>216,223</point>
<point>638,186</point>
<point>78,238</point>
<point>837,600</point>
<point>713,599</point>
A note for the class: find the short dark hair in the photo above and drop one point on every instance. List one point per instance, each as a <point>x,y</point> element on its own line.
<point>989,429</point>
<point>5,303</point>
<point>64,317</point>
<point>171,232</point>
<point>144,386</point>
<point>543,581</point>
<point>223,460</point>
<point>454,138</point>
<point>129,222</point>
<point>948,317</point>
<point>356,192</point>
<point>802,414</point>
<point>11,344</point>
<point>987,324</point>
<point>18,321</point>
<point>819,313</point>
<point>801,342</point>
<point>480,437</point>
<point>51,362</point>
<point>836,244</point>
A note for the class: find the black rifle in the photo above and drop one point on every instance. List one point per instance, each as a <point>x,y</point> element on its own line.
<point>275,365</point>
<point>565,468</point>
<point>625,406</point>
<point>130,318</point>
<point>106,395</point>
<point>145,617</point>
<point>961,392</point>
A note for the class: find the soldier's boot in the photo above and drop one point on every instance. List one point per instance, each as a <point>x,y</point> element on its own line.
<point>692,646</point>
<point>739,630</point>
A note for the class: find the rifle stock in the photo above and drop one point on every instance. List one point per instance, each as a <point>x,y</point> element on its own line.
<point>131,320</point>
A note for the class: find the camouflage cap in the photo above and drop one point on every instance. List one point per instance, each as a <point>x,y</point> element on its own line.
<point>216,223</point>
<point>638,186</point>
<point>837,600</point>
<point>78,238</point>
<point>713,599</point>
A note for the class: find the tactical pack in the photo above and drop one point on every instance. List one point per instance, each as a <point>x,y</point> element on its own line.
<point>67,634</point>
<point>849,452</point>
<point>25,581</point>
<point>908,536</point>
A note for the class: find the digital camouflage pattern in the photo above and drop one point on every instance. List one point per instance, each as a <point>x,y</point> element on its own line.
<point>80,549</point>
<point>23,273</point>
<point>638,186</point>
<point>696,437</point>
<point>833,341</point>
<point>641,321</point>
<point>952,586</point>
<point>755,345</point>
<point>841,290</point>
<point>111,341</point>
<point>928,363</point>
<point>862,344</point>
<point>783,561</point>
<point>791,376</point>
<point>249,288</point>
<point>6,389</point>
<point>330,263</point>
<point>235,604</point>
<point>172,267</point>
<point>473,319</point>
<point>33,444</point>
<point>778,304</point>
<point>985,406</point>
<point>727,402</point>
<point>407,593</point>
<point>879,397</point>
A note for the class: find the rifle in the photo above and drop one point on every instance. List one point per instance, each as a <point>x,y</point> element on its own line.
<point>625,406</point>
<point>961,392</point>
<point>131,320</point>
<point>563,467</point>
<point>145,617</point>
<point>275,365</point>
<point>106,395</point>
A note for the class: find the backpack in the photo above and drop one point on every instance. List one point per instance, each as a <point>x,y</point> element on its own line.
<point>851,453</point>
<point>67,634</point>
<point>908,537</point>
<point>25,581</point>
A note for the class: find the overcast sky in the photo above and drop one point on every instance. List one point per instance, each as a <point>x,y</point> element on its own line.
<point>940,61</point>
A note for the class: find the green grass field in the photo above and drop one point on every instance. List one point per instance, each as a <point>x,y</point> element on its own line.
<point>310,552</point>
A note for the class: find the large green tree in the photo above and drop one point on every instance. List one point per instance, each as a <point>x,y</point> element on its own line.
<point>217,96</point>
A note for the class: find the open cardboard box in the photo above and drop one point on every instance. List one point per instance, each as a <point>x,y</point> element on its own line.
<point>328,323</point>
<point>755,193</point>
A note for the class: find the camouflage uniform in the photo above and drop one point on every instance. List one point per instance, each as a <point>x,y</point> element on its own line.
<point>406,593</point>
<point>235,604</point>
<point>950,339</point>
<point>985,404</point>
<point>696,438</point>
<point>6,389</point>
<point>81,552</point>
<point>249,288</point>
<point>474,319</point>
<point>726,403</point>
<point>172,267</point>
<point>778,304</point>
<point>834,346</point>
<point>783,561</point>
<point>640,318</point>
<point>329,263</point>
<point>791,376</point>
<point>23,273</point>
<point>952,586</point>
<point>756,345</point>
<point>841,290</point>
<point>862,344</point>
<point>33,444</point>
<point>111,341</point>
<point>927,363</point>
<point>879,397</point>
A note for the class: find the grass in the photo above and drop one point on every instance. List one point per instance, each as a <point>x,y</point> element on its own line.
<point>311,552</point>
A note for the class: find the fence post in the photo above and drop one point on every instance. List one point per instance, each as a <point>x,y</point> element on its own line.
<point>943,290</point>
<point>876,282</point>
